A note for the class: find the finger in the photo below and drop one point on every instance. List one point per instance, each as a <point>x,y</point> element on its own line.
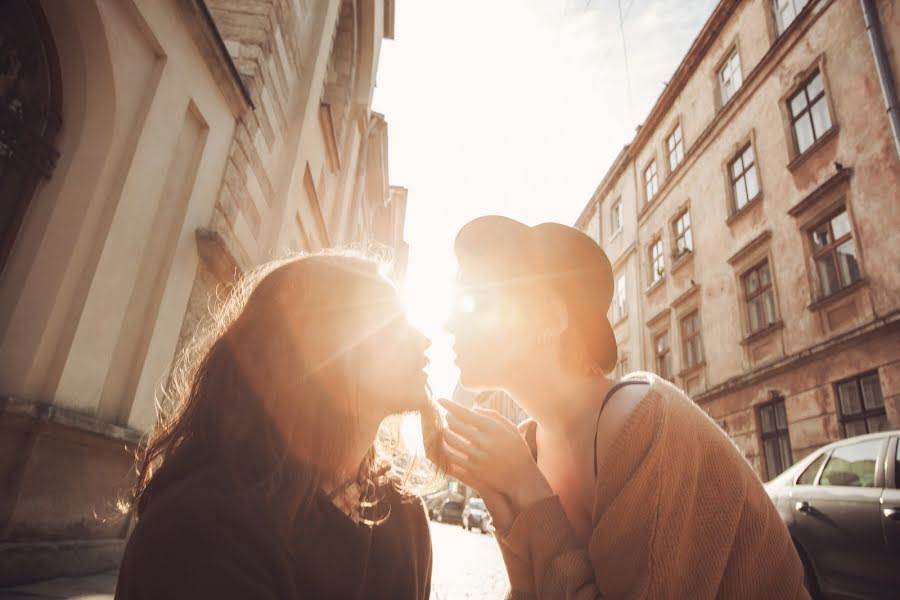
<point>461,445</point>
<point>471,434</point>
<point>465,414</point>
<point>497,417</point>
<point>455,458</point>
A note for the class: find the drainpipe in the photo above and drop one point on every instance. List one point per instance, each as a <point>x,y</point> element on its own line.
<point>883,67</point>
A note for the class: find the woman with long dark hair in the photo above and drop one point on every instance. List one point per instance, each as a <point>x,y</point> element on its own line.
<point>619,489</point>
<point>276,471</point>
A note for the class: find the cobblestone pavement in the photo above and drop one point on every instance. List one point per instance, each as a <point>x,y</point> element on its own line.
<point>467,565</point>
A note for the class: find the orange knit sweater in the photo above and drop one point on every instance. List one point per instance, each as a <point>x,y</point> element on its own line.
<point>678,513</point>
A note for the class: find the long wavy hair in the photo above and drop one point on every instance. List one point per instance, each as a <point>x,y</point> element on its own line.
<point>268,387</point>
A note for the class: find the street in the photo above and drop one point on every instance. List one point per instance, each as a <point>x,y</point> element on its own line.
<point>466,564</point>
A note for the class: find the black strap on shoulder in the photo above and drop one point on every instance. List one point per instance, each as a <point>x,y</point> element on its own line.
<point>606,398</point>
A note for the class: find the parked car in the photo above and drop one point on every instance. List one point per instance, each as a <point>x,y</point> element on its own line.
<point>432,505</point>
<point>841,505</point>
<point>450,511</point>
<point>476,516</point>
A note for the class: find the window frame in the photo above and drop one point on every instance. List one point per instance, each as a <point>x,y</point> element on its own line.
<point>864,413</point>
<point>616,217</point>
<point>665,356</point>
<point>831,248</point>
<point>686,235</point>
<point>679,146</point>
<point>620,312</point>
<point>760,292</point>
<point>776,434</point>
<point>733,181</point>
<point>780,27</point>
<point>657,271</point>
<point>802,88</point>
<point>688,339</point>
<point>648,197</point>
<point>733,52</point>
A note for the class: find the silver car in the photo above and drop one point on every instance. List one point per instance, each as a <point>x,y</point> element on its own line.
<point>841,505</point>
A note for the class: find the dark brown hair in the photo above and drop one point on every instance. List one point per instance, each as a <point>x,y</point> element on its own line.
<point>267,388</point>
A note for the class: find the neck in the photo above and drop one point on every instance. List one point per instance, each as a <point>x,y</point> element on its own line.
<point>558,401</point>
<point>362,441</point>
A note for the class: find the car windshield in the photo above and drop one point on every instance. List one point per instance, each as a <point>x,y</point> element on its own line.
<point>476,503</point>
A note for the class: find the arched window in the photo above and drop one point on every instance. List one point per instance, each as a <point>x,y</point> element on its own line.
<point>30,101</point>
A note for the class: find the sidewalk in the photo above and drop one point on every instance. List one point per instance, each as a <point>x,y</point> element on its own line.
<point>93,587</point>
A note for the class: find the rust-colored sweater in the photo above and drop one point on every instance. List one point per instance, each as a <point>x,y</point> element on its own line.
<point>678,513</point>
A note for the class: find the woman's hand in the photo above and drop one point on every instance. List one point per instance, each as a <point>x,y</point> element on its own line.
<point>484,449</point>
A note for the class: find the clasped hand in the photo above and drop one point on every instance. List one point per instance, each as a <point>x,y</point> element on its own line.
<point>486,451</point>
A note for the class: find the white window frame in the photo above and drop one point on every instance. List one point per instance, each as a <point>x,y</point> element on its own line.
<point>731,77</point>
<point>620,298</point>
<point>675,145</point>
<point>657,261</point>
<point>617,217</point>
<point>651,181</point>
<point>786,12</point>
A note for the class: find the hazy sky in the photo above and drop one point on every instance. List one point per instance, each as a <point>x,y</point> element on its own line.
<point>513,107</point>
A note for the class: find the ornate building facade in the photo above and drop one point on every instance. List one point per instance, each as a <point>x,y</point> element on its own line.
<point>151,151</point>
<point>752,226</point>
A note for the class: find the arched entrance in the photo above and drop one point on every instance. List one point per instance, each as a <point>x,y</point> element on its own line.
<point>30,104</point>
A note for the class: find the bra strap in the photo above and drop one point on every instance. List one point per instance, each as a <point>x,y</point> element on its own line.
<point>606,398</point>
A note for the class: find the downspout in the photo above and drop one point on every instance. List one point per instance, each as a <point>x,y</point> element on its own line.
<point>883,67</point>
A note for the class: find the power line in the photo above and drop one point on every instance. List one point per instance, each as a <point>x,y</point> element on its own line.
<point>628,9</point>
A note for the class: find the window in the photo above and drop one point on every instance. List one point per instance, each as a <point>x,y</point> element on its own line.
<point>786,11</point>
<point>684,240</point>
<point>834,254</point>
<point>663,356</point>
<point>759,296</point>
<point>657,261</point>
<point>651,181</point>
<point>690,336</point>
<point>619,298</point>
<point>744,181</point>
<point>809,475</point>
<point>810,118</point>
<point>775,437</point>
<point>618,220</point>
<point>730,77</point>
<point>861,405</point>
<point>852,466</point>
<point>676,148</point>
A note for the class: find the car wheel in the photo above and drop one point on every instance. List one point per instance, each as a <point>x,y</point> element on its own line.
<point>483,528</point>
<point>440,518</point>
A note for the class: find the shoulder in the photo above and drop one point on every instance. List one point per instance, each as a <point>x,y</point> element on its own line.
<point>202,511</point>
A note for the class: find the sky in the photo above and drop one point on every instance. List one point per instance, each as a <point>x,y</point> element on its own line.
<point>512,107</point>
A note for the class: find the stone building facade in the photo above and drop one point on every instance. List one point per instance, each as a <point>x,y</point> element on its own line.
<point>753,221</point>
<point>151,151</point>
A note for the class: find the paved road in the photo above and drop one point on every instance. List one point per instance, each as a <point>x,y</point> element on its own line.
<point>467,565</point>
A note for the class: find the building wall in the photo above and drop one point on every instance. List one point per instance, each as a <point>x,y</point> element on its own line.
<point>814,342</point>
<point>198,139</point>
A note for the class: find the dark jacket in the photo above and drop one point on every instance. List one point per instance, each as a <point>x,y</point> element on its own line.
<point>201,538</point>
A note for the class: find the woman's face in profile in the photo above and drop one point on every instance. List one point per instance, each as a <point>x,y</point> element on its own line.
<point>390,355</point>
<point>491,333</point>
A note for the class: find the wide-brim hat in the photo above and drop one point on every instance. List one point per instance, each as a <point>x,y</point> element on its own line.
<point>569,262</point>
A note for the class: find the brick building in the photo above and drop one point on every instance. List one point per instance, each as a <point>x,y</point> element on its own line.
<point>754,230</point>
<point>150,151</point>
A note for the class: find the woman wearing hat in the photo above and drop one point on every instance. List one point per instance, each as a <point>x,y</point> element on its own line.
<point>622,489</point>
